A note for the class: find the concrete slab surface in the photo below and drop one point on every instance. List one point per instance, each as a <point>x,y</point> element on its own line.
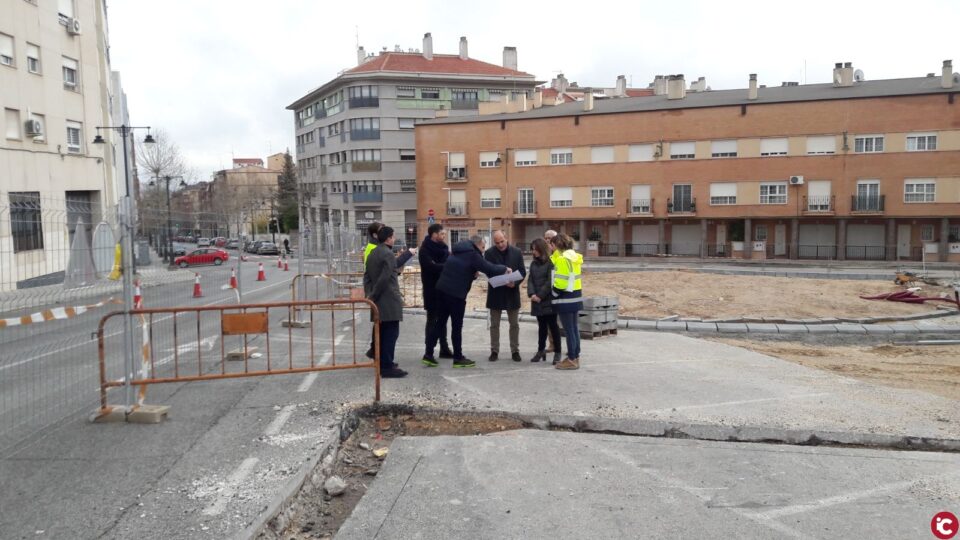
<point>535,484</point>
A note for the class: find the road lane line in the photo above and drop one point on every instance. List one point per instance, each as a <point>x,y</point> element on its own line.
<point>307,382</point>
<point>278,422</point>
<point>339,339</point>
<point>738,402</point>
<point>230,489</point>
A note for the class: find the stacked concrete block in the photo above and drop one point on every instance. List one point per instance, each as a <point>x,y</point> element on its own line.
<point>599,316</point>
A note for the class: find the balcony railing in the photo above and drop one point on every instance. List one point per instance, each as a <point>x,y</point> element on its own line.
<point>457,209</point>
<point>365,166</point>
<point>365,135</point>
<point>456,174</point>
<point>320,113</point>
<point>525,208</point>
<point>367,197</point>
<point>364,101</point>
<point>639,206</point>
<point>465,104</point>
<point>682,207</point>
<point>867,204</point>
<point>819,204</point>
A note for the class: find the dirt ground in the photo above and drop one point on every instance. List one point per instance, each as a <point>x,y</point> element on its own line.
<point>928,368</point>
<point>715,296</point>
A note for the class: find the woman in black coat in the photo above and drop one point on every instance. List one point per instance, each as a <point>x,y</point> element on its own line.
<point>539,285</point>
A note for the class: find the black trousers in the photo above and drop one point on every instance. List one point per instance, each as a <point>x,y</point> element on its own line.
<point>451,308</point>
<point>433,316</point>
<point>548,324</point>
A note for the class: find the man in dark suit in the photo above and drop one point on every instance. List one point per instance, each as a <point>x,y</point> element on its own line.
<point>380,282</point>
<point>505,298</point>
<point>432,254</point>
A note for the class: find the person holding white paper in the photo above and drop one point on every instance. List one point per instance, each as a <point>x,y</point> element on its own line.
<point>505,298</point>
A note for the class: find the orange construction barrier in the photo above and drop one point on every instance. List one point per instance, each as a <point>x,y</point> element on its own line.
<point>233,278</point>
<point>197,293</point>
<point>261,276</point>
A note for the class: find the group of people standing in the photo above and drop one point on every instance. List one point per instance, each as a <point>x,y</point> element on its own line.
<point>553,287</point>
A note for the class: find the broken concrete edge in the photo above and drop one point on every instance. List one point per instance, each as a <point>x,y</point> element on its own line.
<point>138,414</point>
<point>313,472</point>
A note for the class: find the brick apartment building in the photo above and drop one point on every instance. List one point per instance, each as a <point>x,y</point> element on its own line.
<point>866,170</point>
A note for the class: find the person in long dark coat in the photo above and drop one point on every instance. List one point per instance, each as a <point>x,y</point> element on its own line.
<point>539,287</point>
<point>505,298</point>
<point>432,254</point>
<point>384,291</point>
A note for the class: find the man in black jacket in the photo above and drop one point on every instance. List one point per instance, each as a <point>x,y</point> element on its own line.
<point>433,253</point>
<point>454,285</point>
<point>505,298</point>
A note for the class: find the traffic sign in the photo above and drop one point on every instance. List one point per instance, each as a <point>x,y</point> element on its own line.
<point>430,212</point>
<point>431,220</point>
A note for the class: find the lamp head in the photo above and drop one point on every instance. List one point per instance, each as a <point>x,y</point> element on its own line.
<point>148,139</point>
<point>98,139</point>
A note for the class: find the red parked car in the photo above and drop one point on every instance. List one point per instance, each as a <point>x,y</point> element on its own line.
<point>202,256</point>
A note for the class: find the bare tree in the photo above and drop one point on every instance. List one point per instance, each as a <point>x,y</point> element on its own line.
<point>162,158</point>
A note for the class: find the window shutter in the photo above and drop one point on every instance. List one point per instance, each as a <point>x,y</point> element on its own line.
<point>641,192</point>
<point>70,63</point>
<point>457,159</point>
<point>818,188</point>
<point>773,146</point>
<point>490,193</point>
<point>682,148</point>
<point>641,152</point>
<point>723,147</point>
<point>6,46</point>
<point>561,194</point>
<point>525,155</point>
<point>488,156</point>
<point>723,189</point>
<point>458,196</point>
<point>601,154</point>
<point>821,145</point>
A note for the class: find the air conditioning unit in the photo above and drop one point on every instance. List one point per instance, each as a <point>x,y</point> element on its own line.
<point>796,180</point>
<point>451,174</point>
<point>73,27</point>
<point>454,210</point>
<point>33,128</point>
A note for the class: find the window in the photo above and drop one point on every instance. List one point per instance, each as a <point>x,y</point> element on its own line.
<point>525,201</point>
<point>561,156</point>
<point>333,103</point>
<point>488,160</point>
<point>70,73</point>
<point>760,233</point>
<point>495,96</point>
<point>33,58</point>
<point>682,200</point>
<point>818,196</point>
<point>919,190</point>
<point>640,152</point>
<point>74,137</point>
<point>333,129</point>
<point>524,158</point>
<point>26,225</point>
<point>364,129</point>
<point>773,147</point>
<point>6,50</point>
<point>723,149</point>
<point>601,196</point>
<point>926,233</point>
<point>408,155</point>
<point>363,96</point>
<point>723,193</point>
<point>561,197</point>
<point>821,145</point>
<point>407,92</point>
<point>489,198</point>
<point>682,150</point>
<point>406,123</point>
<point>954,234</point>
<point>12,117</point>
<point>465,98</point>
<point>863,144</point>
<point>364,155</point>
<point>65,7</point>
<point>601,154</point>
<point>407,186</point>
<point>921,142</point>
<point>429,93</point>
<point>773,193</point>
<point>640,199</point>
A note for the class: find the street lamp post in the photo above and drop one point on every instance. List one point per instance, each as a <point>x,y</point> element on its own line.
<point>168,256</point>
<point>126,216</point>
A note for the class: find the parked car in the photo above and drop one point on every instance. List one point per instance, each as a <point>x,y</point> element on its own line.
<point>219,241</point>
<point>252,247</point>
<point>203,242</point>
<point>202,256</point>
<point>177,252</point>
<point>268,248</point>
<point>233,244</point>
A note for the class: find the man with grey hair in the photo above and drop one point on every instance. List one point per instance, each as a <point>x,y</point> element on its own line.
<point>459,271</point>
<point>549,235</point>
<point>505,298</point>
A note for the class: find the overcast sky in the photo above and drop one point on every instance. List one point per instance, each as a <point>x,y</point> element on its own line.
<point>217,75</point>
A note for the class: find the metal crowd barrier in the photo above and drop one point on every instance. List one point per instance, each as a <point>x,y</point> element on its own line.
<point>343,285</point>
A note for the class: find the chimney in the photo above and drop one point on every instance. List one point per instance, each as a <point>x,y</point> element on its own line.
<point>752,93</point>
<point>588,99</point>
<point>538,99</point>
<point>428,46</point>
<point>699,86</point>
<point>361,55</point>
<point>846,78</point>
<point>463,48</point>
<point>837,73</point>
<point>946,81</point>
<point>510,58</point>
<point>660,85</point>
<point>676,87</point>
<point>621,90</point>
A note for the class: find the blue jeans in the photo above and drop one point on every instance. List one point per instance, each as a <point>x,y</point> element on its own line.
<point>569,322</point>
<point>389,332</point>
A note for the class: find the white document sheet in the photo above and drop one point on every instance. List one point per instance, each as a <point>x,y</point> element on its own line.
<point>503,279</point>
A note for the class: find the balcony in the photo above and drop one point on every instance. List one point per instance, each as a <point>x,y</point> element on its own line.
<point>457,209</point>
<point>367,197</point>
<point>464,104</point>
<point>365,166</point>
<point>456,174</point>
<point>366,101</point>
<point>682,207</point>
<point>320,113</point>
<point>321,141</point>
<point>819,204</point>
<point>867,204</point>
<point>365,135</point>
<point>525,208</point>
<point>640,206</point>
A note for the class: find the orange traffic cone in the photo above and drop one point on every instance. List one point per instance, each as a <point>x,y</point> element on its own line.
<point>260,275</point>
<point>233,278</point>
<point>286,265</point>
<point>197,293</point>
<point>279,262</point>
<point>137,295</point>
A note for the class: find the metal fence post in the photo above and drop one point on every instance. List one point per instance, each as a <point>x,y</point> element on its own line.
<point>126,241</point>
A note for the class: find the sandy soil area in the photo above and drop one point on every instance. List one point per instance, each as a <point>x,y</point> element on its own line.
<point>709,296</point>
<point>929,368</point>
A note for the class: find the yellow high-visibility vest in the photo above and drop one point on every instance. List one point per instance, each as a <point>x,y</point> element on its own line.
<point>566,274</point>
<point>366,252</point>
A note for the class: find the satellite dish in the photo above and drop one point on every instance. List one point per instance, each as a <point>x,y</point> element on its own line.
<point>858,75</point>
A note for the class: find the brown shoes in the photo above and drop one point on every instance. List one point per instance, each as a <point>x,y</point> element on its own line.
<point>569,364</point>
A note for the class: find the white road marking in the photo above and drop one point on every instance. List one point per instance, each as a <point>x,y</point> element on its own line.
<point>278,422</point>
<point>338,340</point>
<point>738,402</point>
<point>232,484</point>
<point>311,377</point>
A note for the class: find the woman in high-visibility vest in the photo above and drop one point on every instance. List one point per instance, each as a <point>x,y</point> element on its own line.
<point>567,295</point>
